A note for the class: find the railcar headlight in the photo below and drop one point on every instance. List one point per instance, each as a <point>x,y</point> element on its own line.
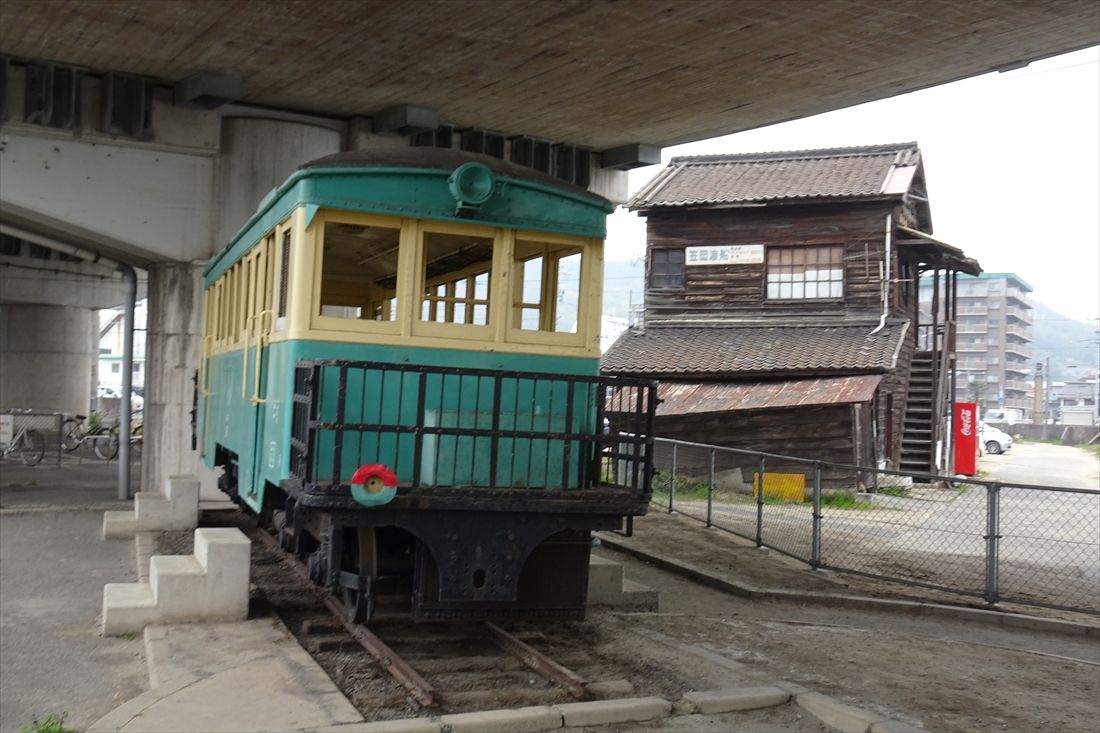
<point>373,485</point>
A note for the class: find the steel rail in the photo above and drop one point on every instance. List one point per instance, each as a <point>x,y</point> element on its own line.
<point>536,660</point>
<point>418,688</point>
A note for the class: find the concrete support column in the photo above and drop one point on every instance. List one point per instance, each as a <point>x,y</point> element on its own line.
<point>174,330</point>
<point>46,357</point>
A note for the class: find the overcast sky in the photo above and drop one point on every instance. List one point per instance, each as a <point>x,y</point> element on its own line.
<point>1012,163</point>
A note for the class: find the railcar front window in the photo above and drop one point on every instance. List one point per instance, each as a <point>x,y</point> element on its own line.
<point>359,271</point>
<point>547,287</point>
<point>456,277</point>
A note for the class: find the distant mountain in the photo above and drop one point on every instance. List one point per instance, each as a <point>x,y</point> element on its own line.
<point>623,286</point>
<point>1072,346</point>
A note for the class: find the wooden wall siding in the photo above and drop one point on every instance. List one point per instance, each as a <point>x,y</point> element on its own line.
<point>738,291</point>
<point>822,433</point>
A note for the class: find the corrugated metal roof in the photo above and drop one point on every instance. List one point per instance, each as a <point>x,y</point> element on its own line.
<point>717,350</point>
<point>874,171</point>
<point>680,398</point>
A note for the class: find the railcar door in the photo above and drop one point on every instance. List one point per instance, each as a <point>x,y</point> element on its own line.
<point>258,323</point>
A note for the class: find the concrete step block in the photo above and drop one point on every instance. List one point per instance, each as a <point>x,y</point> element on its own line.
<point>638,597</point>
<point>608,587</point>
<point>178,582</point>
<point>127,608</point>
<point>605,580</point>
<point>837,715</point>
<point>225,554</point>
<point>119,525</point>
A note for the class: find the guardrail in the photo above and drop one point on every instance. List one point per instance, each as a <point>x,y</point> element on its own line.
<point>997,541</point>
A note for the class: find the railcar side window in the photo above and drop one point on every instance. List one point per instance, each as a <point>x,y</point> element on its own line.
<point>456,278</point>
<point>359,271</point>
<point>547,281</point>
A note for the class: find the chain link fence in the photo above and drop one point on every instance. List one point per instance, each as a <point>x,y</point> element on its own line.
<point>1018,543</point>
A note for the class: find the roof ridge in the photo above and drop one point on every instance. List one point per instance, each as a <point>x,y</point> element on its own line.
<point>844,152</point>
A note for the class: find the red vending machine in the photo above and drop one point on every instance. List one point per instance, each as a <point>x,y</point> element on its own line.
<point>966,438</point>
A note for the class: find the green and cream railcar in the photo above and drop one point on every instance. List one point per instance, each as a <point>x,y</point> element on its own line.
<point>400,375</point>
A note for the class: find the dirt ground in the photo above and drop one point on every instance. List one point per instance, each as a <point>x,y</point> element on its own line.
<point>948,675</point>
<point>944,675</point>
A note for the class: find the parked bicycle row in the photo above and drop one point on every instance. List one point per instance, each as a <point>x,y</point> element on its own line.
<point>21,439</point>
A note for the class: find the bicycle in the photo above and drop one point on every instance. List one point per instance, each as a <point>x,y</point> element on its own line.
<point>80,428</point>
<point>28,444</point>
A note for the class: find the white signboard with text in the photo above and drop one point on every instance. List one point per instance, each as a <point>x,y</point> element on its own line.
<point>727,254</point>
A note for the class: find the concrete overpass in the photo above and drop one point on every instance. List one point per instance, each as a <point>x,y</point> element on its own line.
<point>147,132</point>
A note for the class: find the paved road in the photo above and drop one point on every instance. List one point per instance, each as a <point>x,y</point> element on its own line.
<point>1045,464</point>
<point>52,659</point>
<point>1050,541</point>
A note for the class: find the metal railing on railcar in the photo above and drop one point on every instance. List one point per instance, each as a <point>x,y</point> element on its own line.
<point>441,427</point>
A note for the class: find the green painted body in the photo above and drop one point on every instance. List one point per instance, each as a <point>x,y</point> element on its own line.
<point>260,434</point>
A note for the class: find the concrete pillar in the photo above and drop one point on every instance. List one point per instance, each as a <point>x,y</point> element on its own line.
<point>46,357</point>
<point>256,156</point>
<point>174,329</point>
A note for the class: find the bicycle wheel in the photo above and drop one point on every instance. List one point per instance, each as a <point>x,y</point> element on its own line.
<point>72,432</point>
<point>32,447</point>
<point>106,448</point>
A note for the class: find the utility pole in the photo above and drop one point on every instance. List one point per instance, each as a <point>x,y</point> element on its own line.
<point>1039,399</point>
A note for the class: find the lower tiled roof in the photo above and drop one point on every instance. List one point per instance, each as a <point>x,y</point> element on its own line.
<point>720,350</point>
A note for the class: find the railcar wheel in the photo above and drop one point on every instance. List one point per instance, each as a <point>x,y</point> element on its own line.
<point>357,581</point>
<point>278,523</point>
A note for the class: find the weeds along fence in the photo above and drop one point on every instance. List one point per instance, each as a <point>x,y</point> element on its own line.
<point>997,541</point>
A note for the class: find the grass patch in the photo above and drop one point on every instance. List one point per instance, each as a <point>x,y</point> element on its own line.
<point>1091,449</point>
<point>844,501</point>
<point>52,723</point>
<point>902,492</point>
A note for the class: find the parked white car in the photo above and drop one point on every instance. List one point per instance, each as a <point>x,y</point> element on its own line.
<point>993,440</point>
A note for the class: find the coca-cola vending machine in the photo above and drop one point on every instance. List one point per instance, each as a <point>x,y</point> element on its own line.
<point>966,438</point>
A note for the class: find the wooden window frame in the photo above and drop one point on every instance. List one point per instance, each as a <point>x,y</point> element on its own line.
<point>498,269</point>
<point>802,249</point>
<point>651,262</point>
<point>554,248</point>
<point>406,232</point>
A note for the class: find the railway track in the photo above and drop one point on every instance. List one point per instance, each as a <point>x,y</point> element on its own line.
<point>396,667</point>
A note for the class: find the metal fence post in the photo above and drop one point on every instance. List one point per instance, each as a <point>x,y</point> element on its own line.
<point>760,504</point>
<point>992,543</point>
<point>815,543</point>
<point>710,489</point>
<point>672,481</point>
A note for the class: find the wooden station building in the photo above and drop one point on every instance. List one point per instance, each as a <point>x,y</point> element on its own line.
<point>782,306</point>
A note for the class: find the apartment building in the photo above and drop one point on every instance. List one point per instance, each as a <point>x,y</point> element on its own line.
<point>993,339</point>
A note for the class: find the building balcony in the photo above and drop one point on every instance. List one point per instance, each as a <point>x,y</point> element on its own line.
<point>1022,315</point>
<point>1015,385</point>
<point>961,328</point>
<point>1015,294</point>
<point>972,311</point>
<point>1018,349</point>
<point>970,348</point>
<point>1020,333</point>
<point>1018,403</point>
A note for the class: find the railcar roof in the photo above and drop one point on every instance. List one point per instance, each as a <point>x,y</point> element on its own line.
<point>440,158</point>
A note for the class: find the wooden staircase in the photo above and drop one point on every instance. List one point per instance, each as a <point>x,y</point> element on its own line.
<point>917,440</point>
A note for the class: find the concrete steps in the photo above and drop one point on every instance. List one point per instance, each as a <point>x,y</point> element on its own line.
<point>211,585</point>
<point>608,587</point>
<point>176,508</point>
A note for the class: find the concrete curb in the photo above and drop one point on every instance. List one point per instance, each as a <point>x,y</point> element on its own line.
<point>518,720</point>
<point>836,715</point>
<point>728,701</point>
<point>744,590</point>
<point>604,712</point>
<point>36,508</point>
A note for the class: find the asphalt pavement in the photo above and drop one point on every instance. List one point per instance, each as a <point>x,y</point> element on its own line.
<point>53,566</point>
